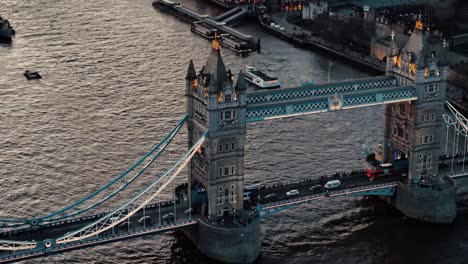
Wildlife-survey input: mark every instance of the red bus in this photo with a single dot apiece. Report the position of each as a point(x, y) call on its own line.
point(379, 170)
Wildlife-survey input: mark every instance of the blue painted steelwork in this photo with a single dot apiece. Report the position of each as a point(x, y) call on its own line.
point(50, 217)
point(388, 191)
point(293, 107)
point(98, 227)
point(41, 249)
point(310, 91)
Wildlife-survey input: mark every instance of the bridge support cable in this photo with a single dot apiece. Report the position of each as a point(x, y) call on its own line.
point(127, 181)
point(459, 123)
point(132, 206)
point(16, 245)
point(123, 178)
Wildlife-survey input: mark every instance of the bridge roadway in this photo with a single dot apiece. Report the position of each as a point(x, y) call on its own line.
point(351, 184)
point(276, 196)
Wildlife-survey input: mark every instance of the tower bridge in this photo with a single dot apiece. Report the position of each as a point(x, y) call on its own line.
point(210, 208)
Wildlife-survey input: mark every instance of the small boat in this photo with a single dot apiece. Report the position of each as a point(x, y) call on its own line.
point(31, 75)
point(260, 79)
point(6, 31)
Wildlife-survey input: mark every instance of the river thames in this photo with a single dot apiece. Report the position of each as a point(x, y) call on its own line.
point(113, 85)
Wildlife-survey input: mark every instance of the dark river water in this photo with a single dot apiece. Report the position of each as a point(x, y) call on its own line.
point(114, 85)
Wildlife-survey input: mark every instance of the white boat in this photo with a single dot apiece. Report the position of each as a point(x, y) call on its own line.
point(260, 79)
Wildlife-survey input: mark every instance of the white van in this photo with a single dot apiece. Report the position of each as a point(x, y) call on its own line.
point(332, 184)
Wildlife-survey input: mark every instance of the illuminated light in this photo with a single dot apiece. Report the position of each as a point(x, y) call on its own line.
point(299, 7)
point(426, 72)
point(220, 97)
point(215, 43)
point(419, 25)
point(199, 150)
point(235, 97)
point(398, 63)
point(413, 68)
point(195, 84)
point(206, 91)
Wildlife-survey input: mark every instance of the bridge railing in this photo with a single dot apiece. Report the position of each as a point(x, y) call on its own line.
point(340, 192)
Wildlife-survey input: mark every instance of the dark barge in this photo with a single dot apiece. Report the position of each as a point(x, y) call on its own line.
point(207, 27)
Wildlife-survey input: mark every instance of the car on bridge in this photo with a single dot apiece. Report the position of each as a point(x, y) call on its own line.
point(168, 216)
point(270, 196)
point(332, 184)
point(316, 187)
point(292, 193)
point(144, 218)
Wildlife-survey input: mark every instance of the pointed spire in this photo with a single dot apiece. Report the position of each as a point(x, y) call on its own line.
point(216, 69)
point(191, 73)
point(421, 60)
point(241, 85)
point(393, 49)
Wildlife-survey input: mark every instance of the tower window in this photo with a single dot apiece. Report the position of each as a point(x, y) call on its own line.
point(220, 147)
point(220, 172)
point(233, 113)
point(226, 171)
point(227, 98)
point(232, 146)
point(403, 110)
point(227, 115)
point(433, 117)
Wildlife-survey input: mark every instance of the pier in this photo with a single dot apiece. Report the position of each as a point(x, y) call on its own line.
point(208, 27)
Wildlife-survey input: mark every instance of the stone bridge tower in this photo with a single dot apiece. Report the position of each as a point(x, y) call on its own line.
point(413, 130)
point(226, 232)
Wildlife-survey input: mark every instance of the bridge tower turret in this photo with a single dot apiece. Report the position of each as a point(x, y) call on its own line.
point(226, 232)
point(413, 130)
point(214, 103)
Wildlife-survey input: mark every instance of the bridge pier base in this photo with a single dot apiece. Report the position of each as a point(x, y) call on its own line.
point(227, 245)
point(427, 205)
